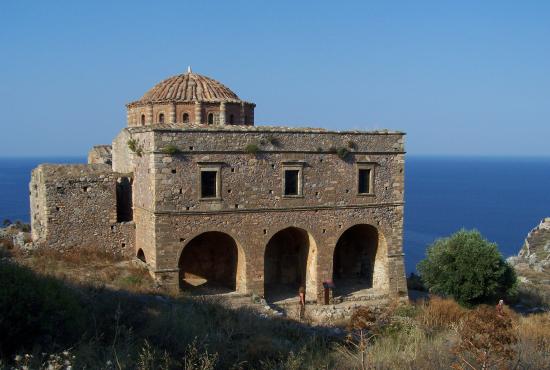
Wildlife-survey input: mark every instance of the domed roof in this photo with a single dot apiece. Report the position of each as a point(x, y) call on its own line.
point(188, 87)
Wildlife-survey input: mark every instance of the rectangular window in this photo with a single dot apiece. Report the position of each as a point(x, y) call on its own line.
point(365, 178)
point(291, 182)
point(209, 184)
point(364, 181)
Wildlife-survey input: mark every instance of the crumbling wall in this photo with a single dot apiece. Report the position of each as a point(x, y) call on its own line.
point(100, 154)
point(75, 206)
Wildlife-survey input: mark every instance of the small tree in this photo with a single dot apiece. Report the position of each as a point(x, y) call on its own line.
point(467, 267)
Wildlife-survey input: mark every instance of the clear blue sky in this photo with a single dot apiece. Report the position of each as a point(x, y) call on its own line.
point(460, 77)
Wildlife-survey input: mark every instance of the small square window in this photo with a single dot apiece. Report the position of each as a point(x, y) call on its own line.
point(291, 182)
point(209, 184)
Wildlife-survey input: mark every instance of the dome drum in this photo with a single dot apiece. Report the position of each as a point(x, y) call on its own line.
point(190, 98)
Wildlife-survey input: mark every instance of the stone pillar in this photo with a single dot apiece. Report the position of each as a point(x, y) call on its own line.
point(222, 113)
point(241, 121)
point(172, 113)
point(168, 278)
point(149, 115)
point(198, 112)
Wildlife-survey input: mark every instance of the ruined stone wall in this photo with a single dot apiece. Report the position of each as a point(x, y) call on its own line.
point(75, 206)
point(100, 154)
point(122, 157)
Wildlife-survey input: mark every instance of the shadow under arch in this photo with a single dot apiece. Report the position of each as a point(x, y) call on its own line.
point(360, 261)
point(290, 261)
point(212, 263)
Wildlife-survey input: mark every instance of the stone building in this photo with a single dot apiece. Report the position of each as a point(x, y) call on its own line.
point(209, 200)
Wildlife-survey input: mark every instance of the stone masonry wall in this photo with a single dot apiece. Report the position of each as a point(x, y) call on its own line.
point(75, 206)
point(252, 207)
point(252, 230)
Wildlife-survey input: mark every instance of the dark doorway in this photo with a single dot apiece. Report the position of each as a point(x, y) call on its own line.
point(124, 212)
point(141, 255)
point(354, 260)
point(209, 264)
point(286, 263)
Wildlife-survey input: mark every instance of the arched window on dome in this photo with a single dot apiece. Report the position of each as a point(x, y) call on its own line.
point(210, 118)
point(161, 118)
point(143, 119)
point(185, 118)
point(231, 119)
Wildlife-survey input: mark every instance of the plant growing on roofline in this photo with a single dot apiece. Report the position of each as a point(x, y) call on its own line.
point(170, 149)
point(252, 148)
point(134, 146)
point(342, 152)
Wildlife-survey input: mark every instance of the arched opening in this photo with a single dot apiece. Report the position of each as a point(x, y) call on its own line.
point(231, 119)
point(289, 262)
point(143, 119)
point(212, 263)
point(185, 118)
point(359, 261)
point(161, 118)
point(210, 118)
point(246, 120)
point(141, 256)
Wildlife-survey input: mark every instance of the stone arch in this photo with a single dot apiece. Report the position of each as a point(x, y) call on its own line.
point(212, 262)
point(290, 261)
point(161, 117)
point(210, 120)
point(142, 119)
point(140, 255)
point(185, 117)
point(231, 119)
point(360, 260)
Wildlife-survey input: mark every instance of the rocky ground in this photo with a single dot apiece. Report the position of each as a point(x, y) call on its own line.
point(532, 264)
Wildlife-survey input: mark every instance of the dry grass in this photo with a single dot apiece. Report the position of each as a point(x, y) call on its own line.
point(440, 313)
point(89, 265)
point(152, 333)
point(534, 331)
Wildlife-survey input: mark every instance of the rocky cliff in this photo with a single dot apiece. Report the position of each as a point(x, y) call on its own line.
point(535, 251)
point(532, 265)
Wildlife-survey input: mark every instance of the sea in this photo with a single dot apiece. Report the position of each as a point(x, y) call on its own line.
point(502, 197)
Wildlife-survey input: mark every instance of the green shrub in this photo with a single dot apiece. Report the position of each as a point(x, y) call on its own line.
point(134, 146)
point(36, 310)
point(252, 148)
point(469, 268)
point(342, 152)
point(170, 149)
